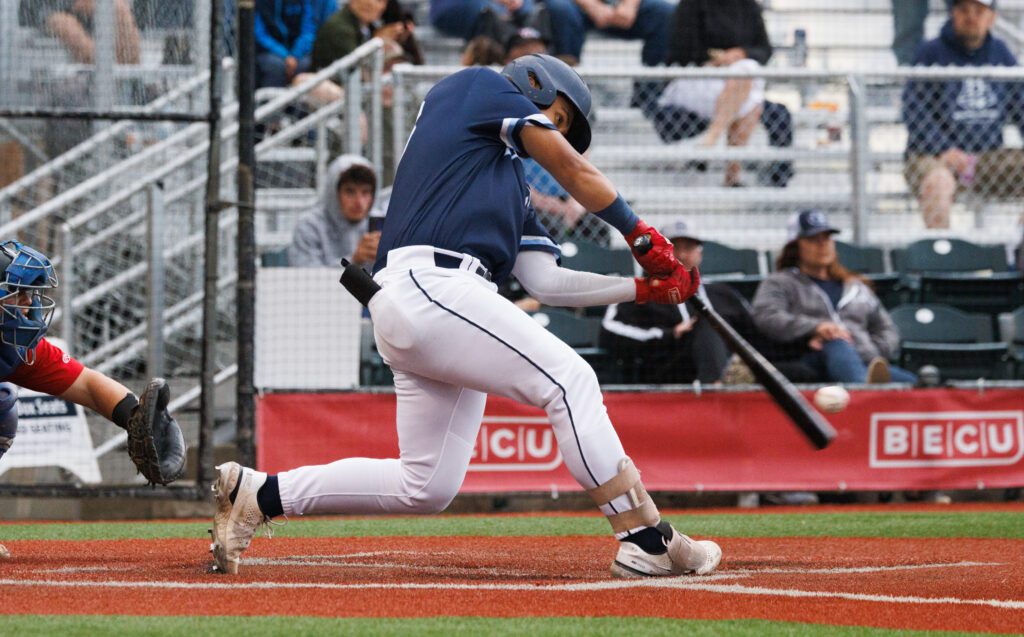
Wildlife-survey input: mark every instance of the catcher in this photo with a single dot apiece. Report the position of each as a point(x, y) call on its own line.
point(155, 442)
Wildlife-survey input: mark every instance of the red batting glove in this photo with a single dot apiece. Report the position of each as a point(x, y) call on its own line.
point(651, 250)
point(673, 289)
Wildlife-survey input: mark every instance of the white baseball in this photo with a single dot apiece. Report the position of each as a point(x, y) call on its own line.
point(832, 399)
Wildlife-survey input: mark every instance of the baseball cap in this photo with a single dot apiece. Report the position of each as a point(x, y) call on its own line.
point(991, 4)
point(808, 223)
point(525, 34)
point(681, 229)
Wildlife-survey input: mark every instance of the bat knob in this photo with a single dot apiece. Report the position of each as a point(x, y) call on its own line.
point(642, 244)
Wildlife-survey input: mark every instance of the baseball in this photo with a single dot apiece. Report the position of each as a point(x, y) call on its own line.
point(4, 553)
point(832, 399)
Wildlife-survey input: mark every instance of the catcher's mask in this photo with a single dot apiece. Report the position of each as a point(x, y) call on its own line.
point(25, 312)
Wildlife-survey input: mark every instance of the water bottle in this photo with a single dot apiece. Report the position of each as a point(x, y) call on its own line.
point(799, 48)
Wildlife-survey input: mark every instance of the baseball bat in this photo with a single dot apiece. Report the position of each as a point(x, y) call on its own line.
point(811, 423)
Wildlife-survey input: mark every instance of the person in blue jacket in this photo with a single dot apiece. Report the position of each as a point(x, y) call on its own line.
point(284, 32)
point(955, 128)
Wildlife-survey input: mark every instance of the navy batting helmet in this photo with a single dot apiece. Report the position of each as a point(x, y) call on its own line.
point(552, 77)
point(25, 312)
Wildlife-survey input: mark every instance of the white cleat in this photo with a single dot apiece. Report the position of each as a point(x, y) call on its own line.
point(235, 524)
point(682, 556)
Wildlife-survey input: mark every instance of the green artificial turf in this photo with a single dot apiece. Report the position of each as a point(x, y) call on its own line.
point(89, 625)
point(987, 524)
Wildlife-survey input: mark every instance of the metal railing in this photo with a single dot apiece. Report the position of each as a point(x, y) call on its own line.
point(125, 307)
point(858, 176)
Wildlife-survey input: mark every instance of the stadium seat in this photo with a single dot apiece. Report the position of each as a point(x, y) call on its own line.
point(589, 257)
point(1015, 339)
point(964, 275)
point(275, 258)
point(958, 343)
point(869, 261)
point(949, 255)
point(736, 267)
point(579, 332)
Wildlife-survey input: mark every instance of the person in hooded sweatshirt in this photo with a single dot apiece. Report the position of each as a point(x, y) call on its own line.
point(955, 127)
point(340, 226)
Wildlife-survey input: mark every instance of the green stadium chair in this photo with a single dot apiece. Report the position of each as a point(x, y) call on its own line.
point(861, 259)
point(869, 262)
point(958, 343)
point(1016, 340)
point(589, 257)
point(968, 276)
point(579, 332)
point(949, 255)
point(736, 267)
point(275, 258)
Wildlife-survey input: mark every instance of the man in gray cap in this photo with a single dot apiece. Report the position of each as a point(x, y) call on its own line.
point(667, 343)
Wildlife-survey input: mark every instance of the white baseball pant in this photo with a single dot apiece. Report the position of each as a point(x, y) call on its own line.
point(451, 340)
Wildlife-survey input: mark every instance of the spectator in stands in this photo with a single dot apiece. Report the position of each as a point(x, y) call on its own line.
point(340, 226)
point(357, 22)
point(646, 20)
point(908, 18)
point(667, 343)
point(818, 303)
point(462, 18)
point(955, 128)
point(483, 50)
point(73, 21)
point(729, 34)
point(284, 34)
point(525, 41)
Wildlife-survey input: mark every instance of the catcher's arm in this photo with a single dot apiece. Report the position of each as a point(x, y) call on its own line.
point(155, 442)
point(98, 392)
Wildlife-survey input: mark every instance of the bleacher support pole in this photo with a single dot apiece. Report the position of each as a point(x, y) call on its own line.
point(246, 290)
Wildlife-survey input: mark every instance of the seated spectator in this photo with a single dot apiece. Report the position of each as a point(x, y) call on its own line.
point(525, 41)
point(340, 226)
point(284, 34)
point(817, 303)
point(666, 343)
point(728, 34)
point(955, 128)
point(908, 18)
point(357, 22)
point(72, 22)
point(483, 50)
point(462, 18)
point(646, 20)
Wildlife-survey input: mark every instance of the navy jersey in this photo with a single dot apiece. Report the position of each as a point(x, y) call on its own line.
point(460, 184)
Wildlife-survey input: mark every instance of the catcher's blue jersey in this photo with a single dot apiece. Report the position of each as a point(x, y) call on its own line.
point(460, 183)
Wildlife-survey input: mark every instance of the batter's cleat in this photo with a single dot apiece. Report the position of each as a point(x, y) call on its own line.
point(235, 524)
point(681, 556)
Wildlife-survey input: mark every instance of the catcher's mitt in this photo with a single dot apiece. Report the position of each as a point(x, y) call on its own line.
point(155, 443)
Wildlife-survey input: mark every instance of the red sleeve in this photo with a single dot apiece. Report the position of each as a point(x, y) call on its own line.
point(52, 372)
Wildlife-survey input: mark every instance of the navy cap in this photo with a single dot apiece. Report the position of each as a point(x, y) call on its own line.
point(808, 223)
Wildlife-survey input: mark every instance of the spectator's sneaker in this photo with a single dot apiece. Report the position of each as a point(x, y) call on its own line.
point(737, 372)
point(878, 371)
point(235, 523)
point(681, 556)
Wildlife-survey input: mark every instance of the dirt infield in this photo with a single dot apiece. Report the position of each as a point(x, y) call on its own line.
point(933, 584)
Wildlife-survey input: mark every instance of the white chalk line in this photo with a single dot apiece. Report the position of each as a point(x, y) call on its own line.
point(706, 584)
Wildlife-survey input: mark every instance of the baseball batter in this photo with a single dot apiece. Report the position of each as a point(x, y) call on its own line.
point(459, 222)
point(29, 360)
